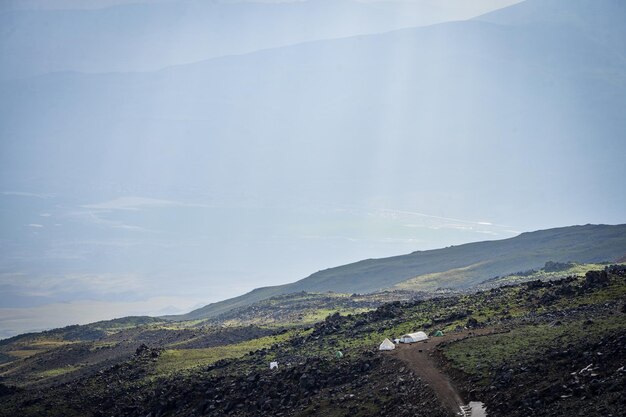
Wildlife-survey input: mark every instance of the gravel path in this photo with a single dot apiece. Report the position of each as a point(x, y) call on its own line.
point(418, 357)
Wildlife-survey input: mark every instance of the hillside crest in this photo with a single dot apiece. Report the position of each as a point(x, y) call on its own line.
point(456, 267)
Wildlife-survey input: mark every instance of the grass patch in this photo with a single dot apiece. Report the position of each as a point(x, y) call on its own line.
point(523, 343)
point(24, 353)
point(51, 373)
point(46, 344)
point(176, 360)
point(315, 316)
point(599, 296)
point(102, 345)
point(429, 282)
point(542, 275)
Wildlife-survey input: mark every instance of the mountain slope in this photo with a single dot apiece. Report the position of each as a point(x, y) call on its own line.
point(543, 347)
point(601, 20)
point(348, 121)
point(131, 37)
point(488, 121)
point(589, 243)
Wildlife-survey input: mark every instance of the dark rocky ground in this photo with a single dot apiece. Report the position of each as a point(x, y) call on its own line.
point(200, 337)
point(367, 385)
point(586, 380)
point(584, 377)
point(301, 307)
point(92, 356)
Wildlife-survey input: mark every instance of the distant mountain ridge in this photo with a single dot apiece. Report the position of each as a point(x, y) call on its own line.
point(478, 261)
point(471, 100)
point(512, 118)
point(150, 35)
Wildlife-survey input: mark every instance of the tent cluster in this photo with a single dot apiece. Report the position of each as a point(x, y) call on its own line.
point(407, 338)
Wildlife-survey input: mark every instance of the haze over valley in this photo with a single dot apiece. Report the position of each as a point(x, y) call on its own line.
point(155, 184)
point(301, 208)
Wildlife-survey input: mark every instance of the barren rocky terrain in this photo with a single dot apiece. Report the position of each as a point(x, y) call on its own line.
point(545, 347)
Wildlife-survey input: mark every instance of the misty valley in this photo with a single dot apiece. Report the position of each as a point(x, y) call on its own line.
point(293, 208)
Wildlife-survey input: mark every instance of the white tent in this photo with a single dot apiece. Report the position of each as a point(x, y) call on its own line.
point(387, 345)
point(413, 337)
point(273, 365)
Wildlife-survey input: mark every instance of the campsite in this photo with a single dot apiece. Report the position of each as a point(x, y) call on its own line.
point(419, 358)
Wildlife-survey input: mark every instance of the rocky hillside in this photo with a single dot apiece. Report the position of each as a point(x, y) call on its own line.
point(548, 347)
point(457, 267)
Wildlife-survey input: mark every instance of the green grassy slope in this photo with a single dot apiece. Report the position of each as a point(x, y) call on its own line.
point(427, 281)
point(477, 261)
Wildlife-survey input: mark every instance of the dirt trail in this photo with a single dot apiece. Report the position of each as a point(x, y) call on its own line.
point(418, 357)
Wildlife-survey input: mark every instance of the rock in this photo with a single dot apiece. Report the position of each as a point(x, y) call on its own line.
point(143, 348)
point(596, 279)
point(8, 389)
point(306, 382)
point(471, 323)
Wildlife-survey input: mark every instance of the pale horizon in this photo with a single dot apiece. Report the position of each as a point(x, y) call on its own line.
point(157, 157)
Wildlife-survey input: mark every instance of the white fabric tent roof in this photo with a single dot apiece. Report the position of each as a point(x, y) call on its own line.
point(413, 337)
point(387, 345)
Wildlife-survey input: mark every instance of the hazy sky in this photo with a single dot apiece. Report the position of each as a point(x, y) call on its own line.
point(475, 6)
point(133, 182)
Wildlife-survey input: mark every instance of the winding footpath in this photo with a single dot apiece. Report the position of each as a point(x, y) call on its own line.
point(418, 357)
